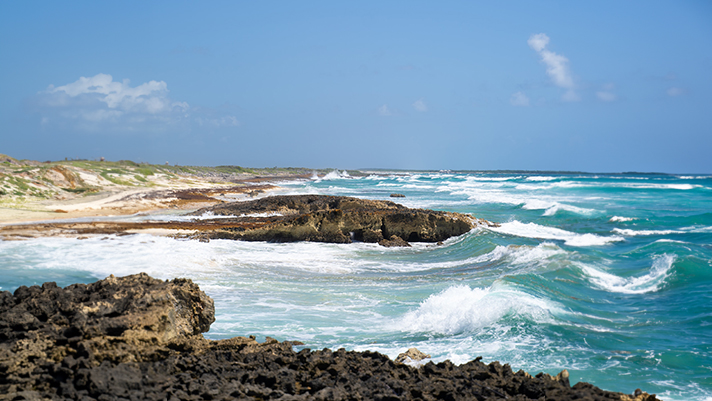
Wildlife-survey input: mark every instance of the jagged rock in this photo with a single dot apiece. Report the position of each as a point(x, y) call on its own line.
point(139, 338)
point(412, 355)
point(393, 242)
point(335, 219)
point(372, 236)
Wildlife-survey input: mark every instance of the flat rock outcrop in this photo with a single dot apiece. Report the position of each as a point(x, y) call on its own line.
point(336, 219)
point(139, 338)
point(318, 218)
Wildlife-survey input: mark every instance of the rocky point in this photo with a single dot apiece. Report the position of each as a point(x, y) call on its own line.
point(138, 338)
point(336, 219)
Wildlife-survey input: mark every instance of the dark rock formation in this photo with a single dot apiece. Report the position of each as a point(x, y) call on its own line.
point(139, 338)
point(337, 219)
point(397, 196)
point(394, 241)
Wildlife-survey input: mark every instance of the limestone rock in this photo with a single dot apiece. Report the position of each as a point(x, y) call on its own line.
point(335, 219)
point(412, 355)
point(139, 338)
point(372, 236)
point(394, 241)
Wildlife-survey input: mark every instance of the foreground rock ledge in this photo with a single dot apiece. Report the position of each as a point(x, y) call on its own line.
point(139, 338)
point(336, 219)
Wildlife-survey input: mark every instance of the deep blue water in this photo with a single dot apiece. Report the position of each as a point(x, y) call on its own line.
point(608, 276)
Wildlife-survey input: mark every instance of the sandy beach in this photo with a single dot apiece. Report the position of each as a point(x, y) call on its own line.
point(37, 197)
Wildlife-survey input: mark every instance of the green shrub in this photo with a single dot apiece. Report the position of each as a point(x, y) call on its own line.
point(144, 171)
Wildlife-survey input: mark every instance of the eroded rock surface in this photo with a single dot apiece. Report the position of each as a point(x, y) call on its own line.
point(337, 219)
point(139, 338)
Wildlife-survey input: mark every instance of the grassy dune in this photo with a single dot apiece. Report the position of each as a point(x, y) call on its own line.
point(26, 180)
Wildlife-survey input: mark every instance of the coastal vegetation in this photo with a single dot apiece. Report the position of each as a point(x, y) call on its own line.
point(29, 180)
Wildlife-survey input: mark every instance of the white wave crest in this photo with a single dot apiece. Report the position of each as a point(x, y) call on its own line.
point(682, 187)
point(650, 282)
point(512, 257)
point(335, 175)
point(683, 230)
point(541, 178)
point(533, 230)
point(552, 207)
point(633, 233)
point(672, 241)
point(621, 218)
point(461, 309)
point(480, 178)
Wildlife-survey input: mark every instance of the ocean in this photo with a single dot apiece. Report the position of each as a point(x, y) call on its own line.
point(606, 275)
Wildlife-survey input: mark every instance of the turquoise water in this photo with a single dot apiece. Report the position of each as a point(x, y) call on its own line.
point(608, 276)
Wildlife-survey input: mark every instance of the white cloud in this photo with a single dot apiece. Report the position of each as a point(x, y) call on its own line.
point(606, 96)
point(384, 111)
point(150, 97)
point(556, 66)
point(675, 91)
point(538, 41)
point(420, 106)
point(99, 103)
point(519, 99)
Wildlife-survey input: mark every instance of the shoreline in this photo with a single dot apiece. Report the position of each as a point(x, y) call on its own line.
point(141, 338)
point(23, 218)
point(32, 191)
point(125, 201)
point(280, 218)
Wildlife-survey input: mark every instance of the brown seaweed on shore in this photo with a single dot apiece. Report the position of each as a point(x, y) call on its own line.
point(139, 338)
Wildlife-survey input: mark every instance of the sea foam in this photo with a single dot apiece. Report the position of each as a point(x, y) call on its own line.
point(552, 207)
point(621, 218)
point(650, 282)
point(516, 259)
point(533, 230)
point(633, 233)
point(541, 178)
point(334, 175)
point(461, 309)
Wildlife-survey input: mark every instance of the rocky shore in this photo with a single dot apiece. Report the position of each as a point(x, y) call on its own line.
point(319, 218)
point(139, 338)
point(336, 219)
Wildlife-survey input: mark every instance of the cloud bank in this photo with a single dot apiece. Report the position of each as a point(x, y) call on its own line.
point(556, 66)
point(100, 103)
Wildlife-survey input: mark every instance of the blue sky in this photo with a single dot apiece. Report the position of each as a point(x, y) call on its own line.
point(591, 86)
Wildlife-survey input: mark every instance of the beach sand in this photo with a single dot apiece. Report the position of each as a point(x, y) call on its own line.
point(40, 218)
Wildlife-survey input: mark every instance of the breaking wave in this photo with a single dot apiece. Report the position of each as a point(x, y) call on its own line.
point(461, 309)
point(621, 218)
point(533, 230)
point(650, 282)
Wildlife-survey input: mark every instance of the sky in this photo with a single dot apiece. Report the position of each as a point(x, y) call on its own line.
point(605, 86)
